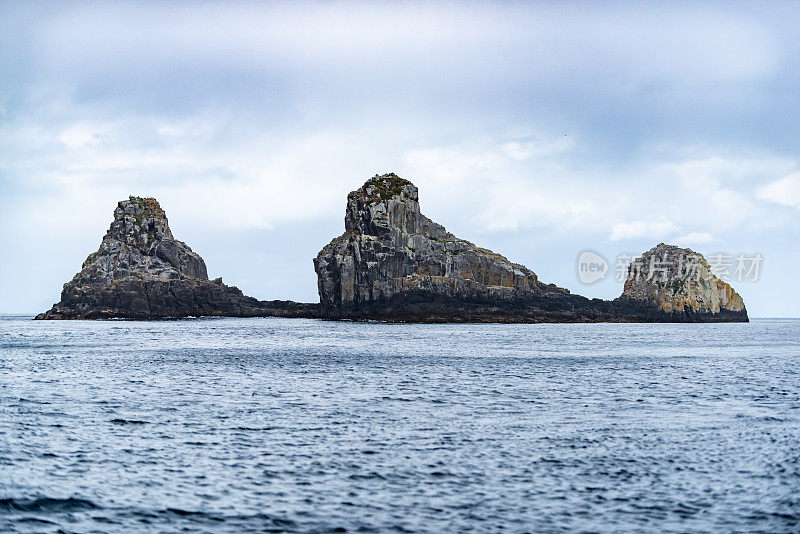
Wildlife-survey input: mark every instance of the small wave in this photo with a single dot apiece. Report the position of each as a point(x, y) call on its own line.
point(33, 401)
point(265, 521)
point(119, 421)
point(367, 476)
point(37, 520)
point(46, 504)
point(185, 513)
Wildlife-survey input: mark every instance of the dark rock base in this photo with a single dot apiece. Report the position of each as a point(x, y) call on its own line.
point(423, 308)
point(134, 298)
point(137, 299)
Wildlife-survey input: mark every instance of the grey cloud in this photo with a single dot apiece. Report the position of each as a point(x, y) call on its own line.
point(252, 104)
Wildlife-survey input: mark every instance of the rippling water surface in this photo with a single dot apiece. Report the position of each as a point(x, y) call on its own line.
point(254, 425)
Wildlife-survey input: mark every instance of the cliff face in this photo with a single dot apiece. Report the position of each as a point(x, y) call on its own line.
point(140, 244)
point(389, 249)
point(393, 263)
point(142, 271)
point(679, 280)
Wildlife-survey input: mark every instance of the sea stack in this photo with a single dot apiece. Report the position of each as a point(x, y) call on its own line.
point(679, 282)
point(393, 263)
point(141, 271)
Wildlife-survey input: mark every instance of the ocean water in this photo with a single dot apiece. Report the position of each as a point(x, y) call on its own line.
point(281, 425)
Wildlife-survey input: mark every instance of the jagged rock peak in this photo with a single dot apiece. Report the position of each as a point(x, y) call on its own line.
point(383, 202)
point(140, 243)
point(142, 271)
point(385, 186)
point(389, 248)
point(138, 211)
point(679, 279)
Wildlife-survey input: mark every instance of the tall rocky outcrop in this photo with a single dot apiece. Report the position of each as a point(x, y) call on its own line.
point(680, 281)
point(389, 248)
point(142, 271)
point(393, 263)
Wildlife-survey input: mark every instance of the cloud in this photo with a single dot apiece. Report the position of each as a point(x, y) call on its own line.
point(205, 164)
point(683, 193)
point(84, 134)
point(785, 191)
point(546, 121)
point(726, 47)
point(642, 229)
point(510, 185)
point(694, 238)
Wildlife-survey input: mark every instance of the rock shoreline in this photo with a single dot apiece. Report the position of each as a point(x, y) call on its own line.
point(391, 264)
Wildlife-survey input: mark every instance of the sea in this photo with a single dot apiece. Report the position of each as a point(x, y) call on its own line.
point(296, 425)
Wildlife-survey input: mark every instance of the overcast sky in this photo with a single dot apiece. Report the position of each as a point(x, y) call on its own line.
point(535, 129)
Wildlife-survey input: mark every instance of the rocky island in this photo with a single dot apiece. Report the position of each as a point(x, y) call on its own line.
point(679, 281)
point(141, 271)
point(391, 264)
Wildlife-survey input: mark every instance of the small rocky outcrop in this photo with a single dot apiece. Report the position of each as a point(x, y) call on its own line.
point(679, 281)
point(142, 271)
point(393, 263)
